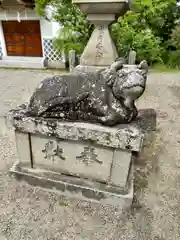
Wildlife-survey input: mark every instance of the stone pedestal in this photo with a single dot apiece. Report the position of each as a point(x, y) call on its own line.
point(87, 161)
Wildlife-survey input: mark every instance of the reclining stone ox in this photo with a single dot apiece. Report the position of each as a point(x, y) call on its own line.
point(106, 96)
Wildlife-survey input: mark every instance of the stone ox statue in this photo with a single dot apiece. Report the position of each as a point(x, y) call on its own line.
point(106, 96)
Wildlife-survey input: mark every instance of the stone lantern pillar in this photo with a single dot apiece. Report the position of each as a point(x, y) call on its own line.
point(100, 50)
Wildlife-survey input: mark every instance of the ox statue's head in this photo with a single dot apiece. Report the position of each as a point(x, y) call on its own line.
point(128, 82)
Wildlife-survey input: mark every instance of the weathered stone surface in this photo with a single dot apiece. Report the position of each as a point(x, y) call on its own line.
point(120, 168)
point(86, 190)
point(75, 158)
point(78, 149)
point(23, 147)
point(80, 68)
point(72, 60)
point(124, 136)
point(106, 6)
point(100, 50)
point(107, 96)
point(132, 58)
point(79, 159)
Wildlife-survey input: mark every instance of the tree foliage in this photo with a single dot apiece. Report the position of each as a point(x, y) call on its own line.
point(147, 28)
point(75, 30)
point(150, 28)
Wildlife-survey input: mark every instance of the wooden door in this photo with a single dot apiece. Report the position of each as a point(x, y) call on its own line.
point(32, 38)
point(14, 38)
point(22, 39)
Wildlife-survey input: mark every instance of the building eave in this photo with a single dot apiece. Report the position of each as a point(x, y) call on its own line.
point(25, 3)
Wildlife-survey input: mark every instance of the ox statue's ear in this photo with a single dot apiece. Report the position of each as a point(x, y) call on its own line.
point(109, 76)
point(118, 64)
point(110, 73)
point(143, 65)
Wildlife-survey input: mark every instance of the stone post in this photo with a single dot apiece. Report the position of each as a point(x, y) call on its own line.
point(100, 50)
point(132, 58)
point(72, 60)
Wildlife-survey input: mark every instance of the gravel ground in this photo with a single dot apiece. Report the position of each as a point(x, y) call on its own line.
point(33, 213)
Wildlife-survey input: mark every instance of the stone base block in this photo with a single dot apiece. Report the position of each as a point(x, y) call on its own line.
point(89, 161)
point(23, 62)
point(80, 68)
point(76, 187)
point(56, 64)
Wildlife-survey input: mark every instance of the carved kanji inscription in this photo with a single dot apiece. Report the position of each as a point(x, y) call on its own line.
point(89, 156)
point(52, 150)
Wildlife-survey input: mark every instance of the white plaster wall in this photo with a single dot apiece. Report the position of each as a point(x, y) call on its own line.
point(49, 29)
point(46, 29)
point(55, 25)
point(56, 28)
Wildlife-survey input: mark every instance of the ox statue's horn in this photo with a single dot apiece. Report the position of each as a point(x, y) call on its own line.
point(143, 65)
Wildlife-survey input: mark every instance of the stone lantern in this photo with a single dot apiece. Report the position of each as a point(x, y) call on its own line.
point(100, 50)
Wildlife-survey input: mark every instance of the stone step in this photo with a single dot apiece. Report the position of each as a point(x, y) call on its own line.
point(24, 62)
point(19, 58)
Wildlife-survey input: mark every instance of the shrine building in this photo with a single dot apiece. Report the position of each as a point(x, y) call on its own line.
point(26, 39)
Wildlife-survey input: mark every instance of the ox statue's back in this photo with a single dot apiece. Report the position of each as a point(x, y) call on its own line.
point(106, 96)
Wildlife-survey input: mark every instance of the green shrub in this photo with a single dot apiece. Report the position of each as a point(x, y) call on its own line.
point(142, 41)
point(68, 40)
point(75, 30)
point(175, 37)
point(174, 59)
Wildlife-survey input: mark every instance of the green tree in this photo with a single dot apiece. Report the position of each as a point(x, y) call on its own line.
point(142, 41)
point(147, 28)
point(75, 30)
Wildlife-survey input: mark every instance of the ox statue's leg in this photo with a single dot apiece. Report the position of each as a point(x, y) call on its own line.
point(112, 118)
